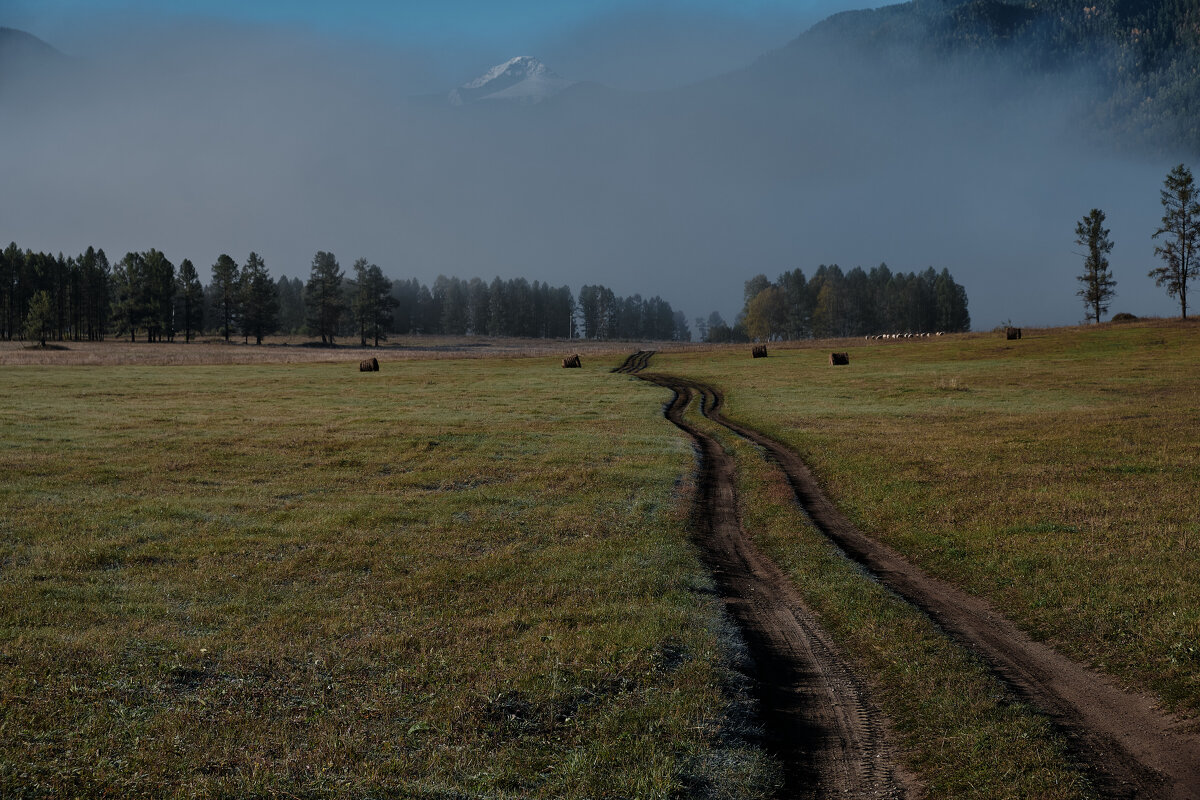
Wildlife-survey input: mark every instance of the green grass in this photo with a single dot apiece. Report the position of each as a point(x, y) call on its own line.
point(1056, 475)
point(961, 731)
point(451, 578)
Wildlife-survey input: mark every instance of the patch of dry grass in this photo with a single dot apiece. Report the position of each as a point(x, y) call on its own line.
point(210, 350)
point(448, 578)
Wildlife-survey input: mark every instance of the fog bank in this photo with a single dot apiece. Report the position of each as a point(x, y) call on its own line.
point(225, 138)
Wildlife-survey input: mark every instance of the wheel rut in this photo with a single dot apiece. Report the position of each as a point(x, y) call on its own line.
point(819, 720)
point(1122, 739)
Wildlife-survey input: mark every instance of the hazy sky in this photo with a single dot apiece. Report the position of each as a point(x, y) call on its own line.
point(672, 41)
point(202, 128)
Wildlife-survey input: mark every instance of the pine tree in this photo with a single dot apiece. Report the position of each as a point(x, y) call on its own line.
point(1181, 226)
point(190, 297)
point(130, 307)
point(323, 296)
point(259, 300)
point(159, 294)
point(373, 302)
point(225, 293)
point(1097, 281)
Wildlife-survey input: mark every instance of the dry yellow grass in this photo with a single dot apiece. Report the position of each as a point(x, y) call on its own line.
point(300, 350)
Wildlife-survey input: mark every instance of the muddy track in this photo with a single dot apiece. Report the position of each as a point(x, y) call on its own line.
point(635, 362)
point(819, 721)
point(1129, 747)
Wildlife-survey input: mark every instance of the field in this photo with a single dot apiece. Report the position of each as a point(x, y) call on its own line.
point(445, 578)
point(475, 577)
point(1055, 475)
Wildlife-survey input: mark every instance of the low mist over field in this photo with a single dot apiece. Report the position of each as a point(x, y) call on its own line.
point(229, 137)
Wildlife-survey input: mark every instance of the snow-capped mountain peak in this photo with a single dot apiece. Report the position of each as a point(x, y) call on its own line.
point(523, 79)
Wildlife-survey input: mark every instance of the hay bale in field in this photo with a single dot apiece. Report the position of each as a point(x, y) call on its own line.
point(370, 365)
point(1012, 333)
point(839, 359)
point(759, 351)
point(572, 362)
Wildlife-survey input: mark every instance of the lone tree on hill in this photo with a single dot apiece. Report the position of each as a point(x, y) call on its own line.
point(1181, 226)
point(1097, 281)
point(323, 296)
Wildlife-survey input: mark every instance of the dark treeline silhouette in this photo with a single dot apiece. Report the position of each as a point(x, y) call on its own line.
point(832, 304)
point(144, 294)
point(606, 316)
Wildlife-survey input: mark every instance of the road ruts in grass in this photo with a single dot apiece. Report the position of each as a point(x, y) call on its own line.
point(1121, 739)
point(831, 740)
point(635, 362)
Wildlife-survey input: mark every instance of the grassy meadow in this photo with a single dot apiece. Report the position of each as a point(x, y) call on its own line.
point(472, 577)
point(445, 579)
point(1055, 475)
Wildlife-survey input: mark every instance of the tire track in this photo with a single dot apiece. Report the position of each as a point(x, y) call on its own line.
point(1129, 747)
point(820, 723)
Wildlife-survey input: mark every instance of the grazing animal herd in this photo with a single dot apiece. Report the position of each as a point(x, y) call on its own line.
point(904, 335)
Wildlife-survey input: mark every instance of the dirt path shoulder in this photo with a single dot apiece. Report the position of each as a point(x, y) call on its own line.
point(1130, 747)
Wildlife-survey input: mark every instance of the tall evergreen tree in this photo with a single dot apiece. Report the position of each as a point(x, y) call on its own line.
point(323, 296)
point(373, 302)
point(1098, 284)
point(225, 293)
point(159, 294)
point(477, 307)
point(190, 300)
point(130, 302)
point(98, 275)
point(291, 304)
point(1181, 227)
point(259, 300)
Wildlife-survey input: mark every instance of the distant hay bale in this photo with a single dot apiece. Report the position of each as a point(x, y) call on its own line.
point(1124, 316)
point(759, 351)
point(1012, 333)
point(572, 362)
point(839, 359)
point(370, 365)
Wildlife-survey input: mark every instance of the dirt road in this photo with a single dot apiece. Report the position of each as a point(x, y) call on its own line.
point(1129, 747)
point(831, 741)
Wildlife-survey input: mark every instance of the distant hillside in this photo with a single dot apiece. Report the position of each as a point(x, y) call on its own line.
point(24, 56)
point(1144, 54)
point(18, 46)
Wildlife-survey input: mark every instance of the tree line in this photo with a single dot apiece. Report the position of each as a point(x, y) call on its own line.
point(833, 303)
point(85, 297)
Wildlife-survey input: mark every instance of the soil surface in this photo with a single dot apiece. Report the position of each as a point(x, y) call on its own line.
point(1129, 747)
point(820, 723)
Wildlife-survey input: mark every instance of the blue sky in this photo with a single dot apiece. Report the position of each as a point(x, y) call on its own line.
point(615, 41)
point(479, 19)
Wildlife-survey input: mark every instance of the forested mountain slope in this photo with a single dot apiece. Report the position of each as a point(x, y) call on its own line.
point(1142, 56)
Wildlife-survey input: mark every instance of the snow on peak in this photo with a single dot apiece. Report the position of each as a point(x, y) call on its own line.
point(523, 79)
point(521, 67)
